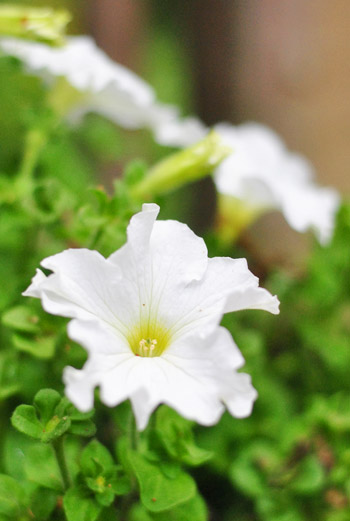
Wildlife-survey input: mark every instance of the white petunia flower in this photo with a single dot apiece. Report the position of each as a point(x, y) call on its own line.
point(105, 86)
point(260, 175)
point(149, 318)
point(263, 174)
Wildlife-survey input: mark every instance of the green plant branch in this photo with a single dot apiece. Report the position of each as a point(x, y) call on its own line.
point(35, 142)
point(58, 448)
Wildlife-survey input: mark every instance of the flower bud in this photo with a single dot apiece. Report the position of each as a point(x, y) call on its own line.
point(183, 167)
point(34, 23)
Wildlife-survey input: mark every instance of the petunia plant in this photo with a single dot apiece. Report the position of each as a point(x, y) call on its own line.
point(122, 395)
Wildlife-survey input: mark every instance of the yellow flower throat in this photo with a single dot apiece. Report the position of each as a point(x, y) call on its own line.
point(148, 340)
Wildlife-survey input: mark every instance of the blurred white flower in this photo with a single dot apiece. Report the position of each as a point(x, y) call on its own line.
point(108, 87)
point(105, 87)
point(263, 174)
point(260, 175)
point(171, 129)
point(149, 318)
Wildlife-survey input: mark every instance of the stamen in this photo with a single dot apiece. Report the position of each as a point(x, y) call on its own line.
point(147, 346)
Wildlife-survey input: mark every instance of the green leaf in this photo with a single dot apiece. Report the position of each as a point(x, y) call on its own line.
point(80, 505)
point(11, 497)
point(50, 199)
point(193, 510)
point(85, 428)
point(94, 458)
point(74, 414)
point(105, 498)
point(310, 478)
point(175, 433)
point(139, 513)
point(170, 469)
point(41, 467)
point(9, 373)
point(43, 347)
point(135, 172)
point(247, 478)
point(120, 483)
point(25, 420)
point(40, 464)
point(22, 319)
point(46, 401)
point(43, 502)
point(159, 492)
point(54, 418)
point(278, 506)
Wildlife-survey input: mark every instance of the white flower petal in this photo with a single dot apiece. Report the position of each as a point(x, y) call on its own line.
point(84, 285)
point(82, 63)
point(235, 389)
point(34, 289)
point(100, 340)
point(80, 388)
point(226, 286)
point(107, 88)
point(265, 175)
point(315, 209)
point(171, 130)
point(239, 395)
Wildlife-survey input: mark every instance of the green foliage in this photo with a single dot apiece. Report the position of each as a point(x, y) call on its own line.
point(79, 505)
point(11, 498)
point(159, 491)
point(50, 417)
point(192, 510)
point(290, 461)
point(175, 435)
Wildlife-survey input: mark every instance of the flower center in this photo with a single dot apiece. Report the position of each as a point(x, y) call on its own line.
point(148, 341)
point(147, 346)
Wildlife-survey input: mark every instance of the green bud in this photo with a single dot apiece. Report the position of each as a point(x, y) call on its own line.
point(34, 23)
point(183, 167)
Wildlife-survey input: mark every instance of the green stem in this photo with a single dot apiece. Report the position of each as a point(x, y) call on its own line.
point(132, 432)
point(58, 448)
point(96, 238)
point(35, 141)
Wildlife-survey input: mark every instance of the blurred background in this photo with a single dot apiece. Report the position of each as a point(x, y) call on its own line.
point(282, 63)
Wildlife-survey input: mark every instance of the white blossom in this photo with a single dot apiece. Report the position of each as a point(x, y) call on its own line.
point(149, 318)
point(265, 175)
point(106, 87)
point(262, 173)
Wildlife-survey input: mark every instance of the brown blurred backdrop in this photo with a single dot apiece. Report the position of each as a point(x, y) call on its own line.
point(281, 62)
